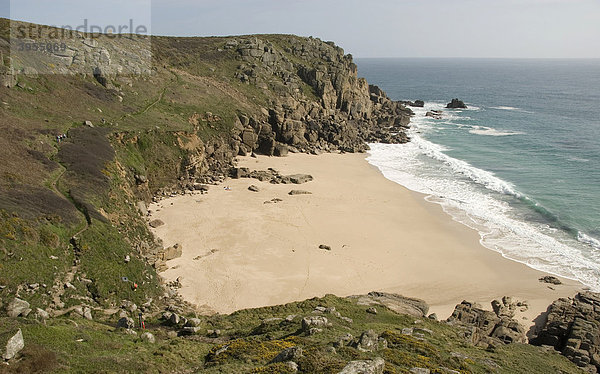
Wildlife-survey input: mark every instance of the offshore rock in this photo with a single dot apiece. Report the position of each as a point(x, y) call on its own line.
point(456, 104)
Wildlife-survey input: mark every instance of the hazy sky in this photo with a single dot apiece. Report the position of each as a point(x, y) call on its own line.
point(382, 28)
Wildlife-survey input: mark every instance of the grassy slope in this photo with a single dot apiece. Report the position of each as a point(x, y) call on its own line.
point(192, 77)
point(82, 346)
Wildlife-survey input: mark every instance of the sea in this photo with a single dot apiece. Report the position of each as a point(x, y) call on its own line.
point(521, 165)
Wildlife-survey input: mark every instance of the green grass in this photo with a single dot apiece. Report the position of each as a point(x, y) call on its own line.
point(25, 250)
point(102, 261)
point(251, 345)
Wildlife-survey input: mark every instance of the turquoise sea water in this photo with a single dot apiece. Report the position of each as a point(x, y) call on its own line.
point(521, 164)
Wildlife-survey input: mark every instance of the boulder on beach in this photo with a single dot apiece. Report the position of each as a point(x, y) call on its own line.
point(550, 280)
point(156, 223)
point(299, 192)
point(280, 150)
point(297, 179)
point(173, 252)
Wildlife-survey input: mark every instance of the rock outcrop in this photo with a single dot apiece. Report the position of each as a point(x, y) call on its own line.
point(485, 328)
point(11, 344)
point(369, 341)
point(416, 103)
point(324, 105)
point(397, 303)
point(375, 366)
point(18, 308)
point(572, 326)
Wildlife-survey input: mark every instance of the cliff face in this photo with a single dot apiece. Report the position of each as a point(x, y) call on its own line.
point(345, 111)
point(145, 117)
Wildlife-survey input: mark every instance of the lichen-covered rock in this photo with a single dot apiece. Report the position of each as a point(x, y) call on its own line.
point(314, 322)
point(487, 328)
point(18, 308)
point(364, 367)
point(397, 303)
point(11, 344)
point(572, 326)
point(148, 337)
point(41, 314)
point(288, 354)
point(369, 341)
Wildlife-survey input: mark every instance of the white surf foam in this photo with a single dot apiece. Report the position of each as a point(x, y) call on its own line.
point(468, 195)
point(584, 238)
point(505, 108)
point(577, 159)
point(511, 108)
point(488, 131)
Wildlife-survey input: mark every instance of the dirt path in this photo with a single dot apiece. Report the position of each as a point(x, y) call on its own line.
point(60, 286)
point(158, 100)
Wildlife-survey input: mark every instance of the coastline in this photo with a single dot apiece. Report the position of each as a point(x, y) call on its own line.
point(239, 252)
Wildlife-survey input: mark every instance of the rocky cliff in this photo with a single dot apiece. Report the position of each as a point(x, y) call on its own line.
point(98, 126)
point(572, 326)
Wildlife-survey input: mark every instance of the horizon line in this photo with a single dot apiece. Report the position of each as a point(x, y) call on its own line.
point(471, 58)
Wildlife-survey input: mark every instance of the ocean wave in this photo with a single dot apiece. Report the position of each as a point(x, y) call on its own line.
point(479, 176)
point(495, 208)
point(505, 108)
point(536, 245)
point(586, 239)
point(577, 159)
point(488, 131)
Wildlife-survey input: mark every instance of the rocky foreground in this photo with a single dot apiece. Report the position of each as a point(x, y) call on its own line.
point(374, 333)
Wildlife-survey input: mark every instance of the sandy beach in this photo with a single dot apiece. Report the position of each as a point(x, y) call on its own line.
point(240, 252)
